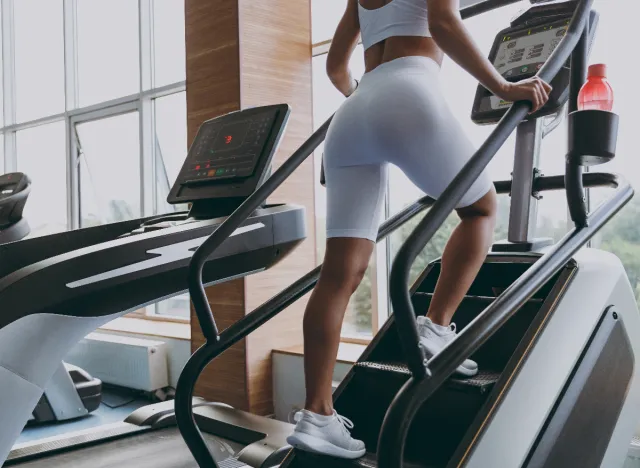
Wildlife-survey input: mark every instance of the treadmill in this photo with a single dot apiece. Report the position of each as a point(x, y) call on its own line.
point(72, 392)
point(86, 278)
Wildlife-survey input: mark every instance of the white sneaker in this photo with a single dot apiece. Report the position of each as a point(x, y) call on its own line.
point(434, 337)
point(326, 435)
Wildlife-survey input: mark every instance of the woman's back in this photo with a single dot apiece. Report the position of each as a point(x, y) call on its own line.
point(403, 26)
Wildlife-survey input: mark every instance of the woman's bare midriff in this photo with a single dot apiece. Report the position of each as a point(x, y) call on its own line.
point(399, 46)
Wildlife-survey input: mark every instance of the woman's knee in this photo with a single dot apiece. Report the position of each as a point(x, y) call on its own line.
point(486, 207)
point(345, 263)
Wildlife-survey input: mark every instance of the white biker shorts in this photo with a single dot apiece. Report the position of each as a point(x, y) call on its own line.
point(398, 115)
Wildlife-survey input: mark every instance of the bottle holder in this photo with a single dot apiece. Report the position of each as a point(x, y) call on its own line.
point(593, 135)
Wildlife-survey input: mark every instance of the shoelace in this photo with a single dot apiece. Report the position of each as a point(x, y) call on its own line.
point(347, 424)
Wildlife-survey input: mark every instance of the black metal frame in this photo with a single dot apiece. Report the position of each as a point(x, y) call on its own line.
point(427, 377)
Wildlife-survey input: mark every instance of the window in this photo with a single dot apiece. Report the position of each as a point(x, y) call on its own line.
point(325, 15)
point(171, 150)
point(42, 155)
point(108, 49)
point(96, 114)
point(168, 37)
point(39, 63)
point(109, 169)
point(622, 235)
point(170, 145)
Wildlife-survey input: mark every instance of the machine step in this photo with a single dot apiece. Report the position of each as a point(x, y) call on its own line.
point(311, 460)
point(481, 383)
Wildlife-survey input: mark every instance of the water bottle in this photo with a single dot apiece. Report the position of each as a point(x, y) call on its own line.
point(596, 93)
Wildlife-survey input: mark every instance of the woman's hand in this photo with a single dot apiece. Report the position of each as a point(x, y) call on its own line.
point(533, 90)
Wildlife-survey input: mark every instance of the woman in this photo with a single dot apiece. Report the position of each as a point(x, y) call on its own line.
point(396, 115)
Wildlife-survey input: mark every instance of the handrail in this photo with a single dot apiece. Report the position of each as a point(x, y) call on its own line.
point(484, 7)
point(416, 391)
point(243, 327)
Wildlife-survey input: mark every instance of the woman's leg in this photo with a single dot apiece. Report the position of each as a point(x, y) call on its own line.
point(345, 263)
point(463, 256)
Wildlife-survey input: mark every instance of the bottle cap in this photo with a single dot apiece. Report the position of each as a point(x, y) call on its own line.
point(598, 70)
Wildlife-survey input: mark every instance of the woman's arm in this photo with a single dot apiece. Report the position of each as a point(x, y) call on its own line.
point(343, 44)
point(451, 35)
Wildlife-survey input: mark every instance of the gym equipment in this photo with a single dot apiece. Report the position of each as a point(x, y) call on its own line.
point(72, 392)
point(552, 327)
point(14, 191)
point(88, 277)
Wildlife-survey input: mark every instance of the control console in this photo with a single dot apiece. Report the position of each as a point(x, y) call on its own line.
point(230, 157)
point(521, 50)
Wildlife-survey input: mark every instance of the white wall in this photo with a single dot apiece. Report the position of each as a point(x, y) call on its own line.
point(288, 383)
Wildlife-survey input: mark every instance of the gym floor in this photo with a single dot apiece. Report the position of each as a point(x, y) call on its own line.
point(116, 405)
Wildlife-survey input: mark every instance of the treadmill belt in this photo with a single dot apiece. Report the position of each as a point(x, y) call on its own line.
point(154, 449)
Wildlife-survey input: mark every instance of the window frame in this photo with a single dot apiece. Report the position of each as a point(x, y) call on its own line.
point(142, 102)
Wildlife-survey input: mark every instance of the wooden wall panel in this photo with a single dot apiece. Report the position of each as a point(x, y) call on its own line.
point(213, 89)
point(275, 68)
point(243, 53)
point(213, 60)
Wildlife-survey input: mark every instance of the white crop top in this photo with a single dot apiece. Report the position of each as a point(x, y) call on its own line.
point(396, 18)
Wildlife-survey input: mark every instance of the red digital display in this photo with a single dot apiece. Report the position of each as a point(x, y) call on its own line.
point(228, 139)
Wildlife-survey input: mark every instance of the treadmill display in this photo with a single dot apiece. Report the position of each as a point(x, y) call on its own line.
point(224, 150)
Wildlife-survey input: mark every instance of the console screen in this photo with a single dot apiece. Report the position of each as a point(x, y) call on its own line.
point(228, 149)
point(521, 54)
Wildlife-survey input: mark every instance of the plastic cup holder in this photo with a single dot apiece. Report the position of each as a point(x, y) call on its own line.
point(593, 135)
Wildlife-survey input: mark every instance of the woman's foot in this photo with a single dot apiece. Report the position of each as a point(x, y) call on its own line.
point(326, 435)
point(434, 337)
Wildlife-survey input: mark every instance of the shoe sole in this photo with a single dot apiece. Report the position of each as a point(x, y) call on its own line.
point(315, 445)
point(465, 371)
point(461, 370)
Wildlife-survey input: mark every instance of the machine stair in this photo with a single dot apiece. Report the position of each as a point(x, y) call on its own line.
point(309, 460)
point(449, 421)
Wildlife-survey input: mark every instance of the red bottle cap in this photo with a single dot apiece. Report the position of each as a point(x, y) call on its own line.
point(598, 70)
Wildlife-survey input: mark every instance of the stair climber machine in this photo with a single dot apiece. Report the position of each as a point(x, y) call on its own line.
point(72, 392)
point(56, 289)
point(554, 327)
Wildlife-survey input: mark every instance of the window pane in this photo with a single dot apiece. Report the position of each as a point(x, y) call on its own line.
point(325, 16)
point(621, 235)
point(176, 307)
point(552, 208)
point(169, 46)
point(108, 49)
point(109, 169)
point(39, 56)
point(41, 155)
point(171, 145)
